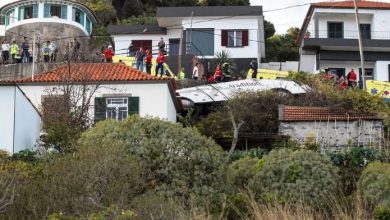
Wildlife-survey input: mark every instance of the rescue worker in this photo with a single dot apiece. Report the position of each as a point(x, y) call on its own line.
point(46, 50)
point(218, 74)
point(14, 51)
point(160, 63)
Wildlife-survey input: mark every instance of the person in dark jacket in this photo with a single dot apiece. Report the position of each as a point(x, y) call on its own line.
point(253, 66)
point(25, 52)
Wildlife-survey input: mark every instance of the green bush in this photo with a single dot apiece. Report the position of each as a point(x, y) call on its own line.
point(253, 153)
point(242, 170)
point(374, 184)
point(177, 161)
point(26, 156)
point(296, 176)
point(381, 213)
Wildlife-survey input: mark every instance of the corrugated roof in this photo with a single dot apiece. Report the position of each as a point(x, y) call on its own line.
point(209, 11)
point(298, 113)
point(90, 72)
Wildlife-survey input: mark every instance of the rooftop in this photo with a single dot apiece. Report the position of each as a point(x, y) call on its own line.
point(350, 4)
point(90, 72)
point(209, 11)
point(298, 113)
point(136, 29)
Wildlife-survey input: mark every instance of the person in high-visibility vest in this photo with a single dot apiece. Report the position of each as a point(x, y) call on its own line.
point(182, 74)
point(46, 50)
point(14, 51)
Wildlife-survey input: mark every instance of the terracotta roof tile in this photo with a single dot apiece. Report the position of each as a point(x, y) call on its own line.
point(350, 4)
point(297, 113)
point(91, 72)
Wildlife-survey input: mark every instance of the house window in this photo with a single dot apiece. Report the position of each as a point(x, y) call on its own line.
point(88, 25)
point(116, 107)
point(338, 71)
point(200, 42)
point(368, 75)
point(365, 30)
point(9, 17)
point(78, 16)
point(335, 30)
point(28, 12)
point(234, 38)
point(59, 11)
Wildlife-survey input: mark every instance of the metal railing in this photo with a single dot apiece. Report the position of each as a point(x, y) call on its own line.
point(373, 35)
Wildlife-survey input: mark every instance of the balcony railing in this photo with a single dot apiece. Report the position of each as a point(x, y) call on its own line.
point(373, 35)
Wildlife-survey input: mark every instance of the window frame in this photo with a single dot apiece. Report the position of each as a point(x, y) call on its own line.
point(335, 32)
point(59, 8)
point(365, 33)
point(30, 7)
point(110, 106)
point(235, 38)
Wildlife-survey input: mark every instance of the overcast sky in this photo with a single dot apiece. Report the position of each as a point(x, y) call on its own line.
point(292, 17)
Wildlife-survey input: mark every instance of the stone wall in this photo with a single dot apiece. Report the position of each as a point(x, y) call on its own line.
point(335, 134)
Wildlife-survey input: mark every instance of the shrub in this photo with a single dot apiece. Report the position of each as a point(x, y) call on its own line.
point(374, 184)
point(241, 171)
point(296, 176)
point(177, 161)
point(26, 156)
point(253, 153)
point(381, 213)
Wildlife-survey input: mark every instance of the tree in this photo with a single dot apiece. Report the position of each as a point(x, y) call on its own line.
point(281, 48)
point(269, 29)
point(103, 9)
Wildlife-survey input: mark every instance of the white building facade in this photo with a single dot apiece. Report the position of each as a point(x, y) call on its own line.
point(329, 39)
point(32, 15)
point(204, 31)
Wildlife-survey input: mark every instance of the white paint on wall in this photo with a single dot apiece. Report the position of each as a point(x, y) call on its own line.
point(7, 99)
point(153, 97)
point(382, 71)
point(27, 123)
point(19, 121)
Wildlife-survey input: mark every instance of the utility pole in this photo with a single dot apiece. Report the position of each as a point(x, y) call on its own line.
point(360, 45)
point(179, 64)
point(192, 15)
point(34, 56)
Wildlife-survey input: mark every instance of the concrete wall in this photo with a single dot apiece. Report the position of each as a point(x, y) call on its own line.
point(307, 63)
point(153, 97)
point(335, 134)
point(284, 66)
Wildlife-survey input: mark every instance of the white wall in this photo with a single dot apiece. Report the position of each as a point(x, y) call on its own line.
point(307, 63)
point(19, 121)
point(153, 97)
point(381, 70)
point(27, 123)
point(250, 23)
point(285, 66)
point(254, 49)
point(7, 97)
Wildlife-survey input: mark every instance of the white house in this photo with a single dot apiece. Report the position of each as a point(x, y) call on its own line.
point(47, 19)
point(204, 30)
point(121, 91)
point(328, 38)
point(20, 121)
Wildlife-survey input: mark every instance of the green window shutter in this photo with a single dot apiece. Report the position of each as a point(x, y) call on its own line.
point(46, 12)
point(64, 12)
point(100, 109)
point(21, 13)
point(35, 10)
point(133, 105)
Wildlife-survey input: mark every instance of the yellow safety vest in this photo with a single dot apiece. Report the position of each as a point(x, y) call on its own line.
point(14, 49)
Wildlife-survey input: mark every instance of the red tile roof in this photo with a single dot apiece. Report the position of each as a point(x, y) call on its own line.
point(350, 4)
point(297, 113)
point(91, 72)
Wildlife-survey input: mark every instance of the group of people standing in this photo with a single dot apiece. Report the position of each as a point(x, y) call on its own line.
point(15, 53)
point(350, 80)
point(144, 58)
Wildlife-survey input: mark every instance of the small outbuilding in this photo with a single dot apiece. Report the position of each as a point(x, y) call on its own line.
point(331, 128)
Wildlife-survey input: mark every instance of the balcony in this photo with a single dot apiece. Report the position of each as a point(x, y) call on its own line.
point(347, 40)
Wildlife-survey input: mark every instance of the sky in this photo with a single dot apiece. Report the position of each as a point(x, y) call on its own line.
point(284, 19)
